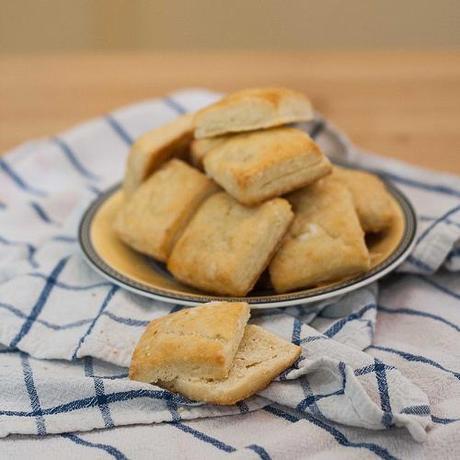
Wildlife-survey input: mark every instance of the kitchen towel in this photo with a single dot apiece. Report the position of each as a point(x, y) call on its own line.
point(381, 358)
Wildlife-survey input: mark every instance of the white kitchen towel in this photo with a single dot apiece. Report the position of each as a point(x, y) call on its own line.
point(373, 361)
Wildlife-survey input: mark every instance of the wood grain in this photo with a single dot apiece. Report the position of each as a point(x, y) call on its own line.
point(404, 105)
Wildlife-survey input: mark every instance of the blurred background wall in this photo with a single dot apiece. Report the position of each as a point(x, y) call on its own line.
point(79, 25)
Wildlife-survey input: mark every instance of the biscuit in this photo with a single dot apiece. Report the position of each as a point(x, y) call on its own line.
point(200, 147)
point(256, 166)
point(199, 342)
point(154, 148)
point(260, 358)
point(161, 207)
point(372, 201)
point(227, 246)
point(252, 109)
point(325, 242)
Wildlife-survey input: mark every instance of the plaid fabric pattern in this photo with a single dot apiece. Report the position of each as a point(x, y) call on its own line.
point(376, 359)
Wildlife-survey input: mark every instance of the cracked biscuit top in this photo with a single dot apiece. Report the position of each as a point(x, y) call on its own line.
point(256, 166)
point(200, 342)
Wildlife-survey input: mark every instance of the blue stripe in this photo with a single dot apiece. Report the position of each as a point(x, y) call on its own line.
point(33, 395)
point(313, 338)
point(204, 437)
point(436, 222)
point(412, 312)
point(6, 168)
point(8, 350)
point(418, 263)
point(74, 161)
point(296, 328)
point(444, 421)
point(314, 398)
point(422, 410)
point(70, 287)
point(281, 413)
point(41, 213)
point(414, 358)
point(343, 440)
point(104, 304)
point(338, 435)
point(100, 393)
point(41, 301)
point(57, 327)
point(371, 368)
point(307, 391)
point(65, 238)
point(283, 376)
point(338, 325)
point(30, 249)
point(96, 445)
point(94, 189)
point(127, 321)
point(439, 286)
point(112, 377)
point(417, 183)
point(90, 402)
point(317, 129)
point(116, 126)
point(169, 101)
point(243, 407)
point(430, 219)
point(382, 385)
point(341, 368)
point(172, 407)
point(286, 372)
point(177, 308)
point(260, 451)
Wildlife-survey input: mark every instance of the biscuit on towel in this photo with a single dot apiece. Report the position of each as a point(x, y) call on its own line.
point(154, 148)
point(200, 147)
point(256, 166)
point(252, 109)
point(227, 246)
point(372, 201)
point(261, 357)
point(158, 211)
point(324, 243)
point(198, 342)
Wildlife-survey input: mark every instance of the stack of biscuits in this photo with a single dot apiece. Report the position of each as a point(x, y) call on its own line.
point(209, 353)
point(234, 189)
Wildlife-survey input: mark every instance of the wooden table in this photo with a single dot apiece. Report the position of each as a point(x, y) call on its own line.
point(404, 105)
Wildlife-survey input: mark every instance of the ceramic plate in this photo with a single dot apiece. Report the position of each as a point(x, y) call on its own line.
point(147, 277)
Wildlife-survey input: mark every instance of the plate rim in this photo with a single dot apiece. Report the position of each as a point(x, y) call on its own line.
point(304, 296)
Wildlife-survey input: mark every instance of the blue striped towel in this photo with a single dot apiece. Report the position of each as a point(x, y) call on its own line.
point(380, 367)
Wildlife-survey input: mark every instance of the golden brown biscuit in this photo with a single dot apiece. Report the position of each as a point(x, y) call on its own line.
point(260, 358)
point(227, 245)
point(198, 342)
point(325, 241)
point(256, 166)
point(372, 201)
point(200, 147)
point(154, 148)
point(252, 109)
point(161, 207)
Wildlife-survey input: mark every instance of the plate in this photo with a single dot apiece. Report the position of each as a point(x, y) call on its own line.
point(141, 274)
